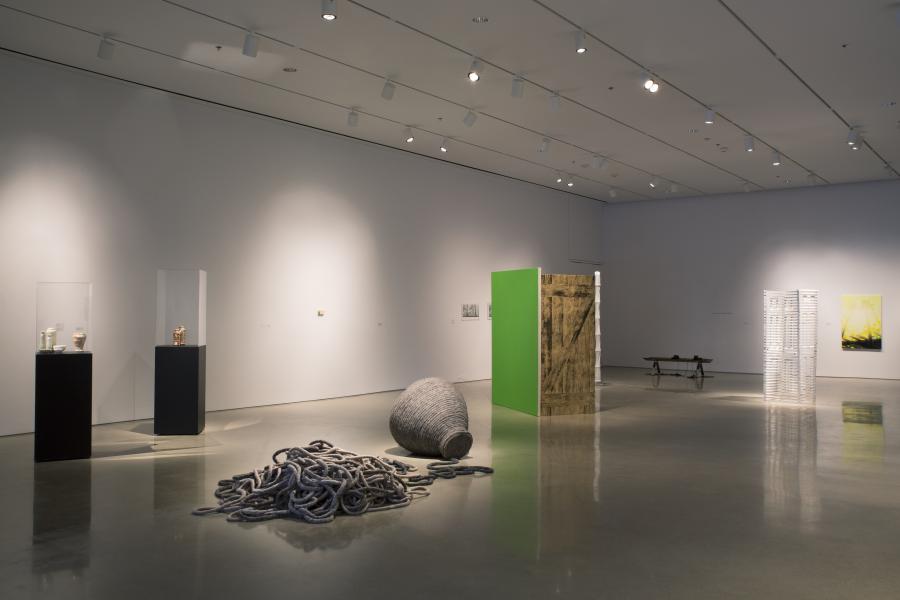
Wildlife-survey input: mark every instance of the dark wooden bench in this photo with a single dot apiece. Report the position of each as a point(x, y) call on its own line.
point(697, 361)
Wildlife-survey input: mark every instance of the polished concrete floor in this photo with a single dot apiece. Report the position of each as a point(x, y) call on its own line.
point(669, 491)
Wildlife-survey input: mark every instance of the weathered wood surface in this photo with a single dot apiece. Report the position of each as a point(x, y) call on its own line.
point(567, 344)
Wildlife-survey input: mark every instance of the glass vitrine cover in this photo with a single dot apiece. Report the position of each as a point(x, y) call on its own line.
point(63, 310)
point(181, 307)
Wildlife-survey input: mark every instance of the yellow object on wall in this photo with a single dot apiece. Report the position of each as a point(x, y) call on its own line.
point(861, 322)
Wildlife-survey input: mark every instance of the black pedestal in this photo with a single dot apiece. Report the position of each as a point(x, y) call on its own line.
point(180, 390)
point(62, 406)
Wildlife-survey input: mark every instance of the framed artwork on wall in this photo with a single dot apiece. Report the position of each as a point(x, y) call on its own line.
point(470, 312)
point(861, 322)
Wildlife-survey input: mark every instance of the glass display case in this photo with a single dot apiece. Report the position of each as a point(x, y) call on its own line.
point(63, 317)
point(179, 390)
point(181, 307)
point(63, 371)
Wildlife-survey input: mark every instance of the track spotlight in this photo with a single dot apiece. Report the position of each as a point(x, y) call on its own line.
point(408, 135)
point(570, 183)
point(106, 49)
point(613, 193)
point(518, 87)
point(559, 177)
point(469, 119)
point(555, 102)
point(475, 70)
point(852, 137)
point(654, 182)
point(854, 147)
point(749, 143)
point(776, 159)
point(444, 145)
point(387, 91)
point(352, 118)
point(580, 48)
point(544, 145)
point(329, 10)
point(649, 83)
point(710, 117)
point(595, 161)
point(251, 42)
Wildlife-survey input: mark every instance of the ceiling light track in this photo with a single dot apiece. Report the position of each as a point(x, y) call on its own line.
point(301, 94)
point(669, 85)
point(805, 84)
point(510, 73)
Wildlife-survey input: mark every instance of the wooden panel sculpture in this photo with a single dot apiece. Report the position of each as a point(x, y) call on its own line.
point(568, 341)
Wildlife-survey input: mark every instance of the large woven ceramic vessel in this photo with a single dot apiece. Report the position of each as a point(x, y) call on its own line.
point(430, 419)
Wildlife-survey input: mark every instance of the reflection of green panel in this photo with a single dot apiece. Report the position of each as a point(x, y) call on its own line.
point(515, 445)
point(515, 297)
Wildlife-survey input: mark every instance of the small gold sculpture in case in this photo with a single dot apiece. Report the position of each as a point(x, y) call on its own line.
point(178, 335)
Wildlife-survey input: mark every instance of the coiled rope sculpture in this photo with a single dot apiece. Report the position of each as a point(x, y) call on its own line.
point(315, 483)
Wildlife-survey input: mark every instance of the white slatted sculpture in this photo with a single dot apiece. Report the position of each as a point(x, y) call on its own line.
point(789, 346)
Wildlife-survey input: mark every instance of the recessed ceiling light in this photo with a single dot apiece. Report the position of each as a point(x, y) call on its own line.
point(329, 10)
point(480, 19)
point(289, 69)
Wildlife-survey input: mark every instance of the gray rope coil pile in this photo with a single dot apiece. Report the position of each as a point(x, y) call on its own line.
point(317, 482)
point(430, 419)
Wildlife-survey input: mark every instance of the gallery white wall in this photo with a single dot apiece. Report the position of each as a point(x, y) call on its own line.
point(686, 276)
point(105, 181)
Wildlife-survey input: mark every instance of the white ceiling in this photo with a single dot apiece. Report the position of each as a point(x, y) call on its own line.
point(794, 74)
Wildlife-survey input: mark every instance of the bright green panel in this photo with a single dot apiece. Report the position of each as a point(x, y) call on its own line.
point(515, 484)
point(515, 337)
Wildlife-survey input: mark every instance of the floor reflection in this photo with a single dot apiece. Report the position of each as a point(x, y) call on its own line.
point(547, 470)
point(338, 535)
point(676, 383)
point(862, 436)
point(61, 525)
point(791, 489)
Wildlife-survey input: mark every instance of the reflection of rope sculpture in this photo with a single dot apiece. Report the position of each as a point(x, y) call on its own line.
point(319, 481)
point(430, 419)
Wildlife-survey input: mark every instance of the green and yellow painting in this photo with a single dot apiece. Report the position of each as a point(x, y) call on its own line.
point(861, 322)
